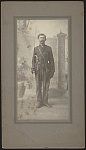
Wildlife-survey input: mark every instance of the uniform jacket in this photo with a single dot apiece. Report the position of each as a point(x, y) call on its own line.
point(43, 59)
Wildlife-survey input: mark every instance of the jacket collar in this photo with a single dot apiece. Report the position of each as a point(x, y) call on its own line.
point(42, 46)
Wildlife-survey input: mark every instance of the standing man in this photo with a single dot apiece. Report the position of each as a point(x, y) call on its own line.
point(43, 67)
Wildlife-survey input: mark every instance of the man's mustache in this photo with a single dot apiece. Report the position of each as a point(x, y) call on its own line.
point(42, 41)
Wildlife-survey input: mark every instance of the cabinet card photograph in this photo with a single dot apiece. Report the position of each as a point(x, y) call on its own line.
point(43, 69)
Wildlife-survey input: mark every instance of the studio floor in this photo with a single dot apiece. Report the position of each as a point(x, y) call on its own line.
point(60, 110)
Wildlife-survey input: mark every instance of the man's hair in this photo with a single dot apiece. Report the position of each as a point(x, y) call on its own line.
point(42, 35)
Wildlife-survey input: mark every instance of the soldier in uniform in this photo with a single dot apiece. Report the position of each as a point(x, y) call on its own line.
point(43, 67)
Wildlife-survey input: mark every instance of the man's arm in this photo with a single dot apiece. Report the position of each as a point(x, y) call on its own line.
point(52, 64)
point(33, 62)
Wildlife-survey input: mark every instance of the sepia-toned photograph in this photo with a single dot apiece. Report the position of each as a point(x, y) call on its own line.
point(42, 77)
point(42, 69)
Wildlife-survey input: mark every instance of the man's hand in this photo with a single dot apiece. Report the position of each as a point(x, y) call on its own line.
point(32, 70)
point(51, 75)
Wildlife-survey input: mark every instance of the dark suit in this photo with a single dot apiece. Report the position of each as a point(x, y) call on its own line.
point(43, 65)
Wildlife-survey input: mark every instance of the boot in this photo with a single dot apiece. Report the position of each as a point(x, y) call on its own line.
point(39, 105)
point(48, 105)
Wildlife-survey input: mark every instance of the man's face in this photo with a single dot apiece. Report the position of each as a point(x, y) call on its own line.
point(42, 39)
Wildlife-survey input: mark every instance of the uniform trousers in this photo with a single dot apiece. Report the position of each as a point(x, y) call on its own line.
point(42, 86)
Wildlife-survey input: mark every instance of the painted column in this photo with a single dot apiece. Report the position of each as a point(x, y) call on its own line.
point(61, 60)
